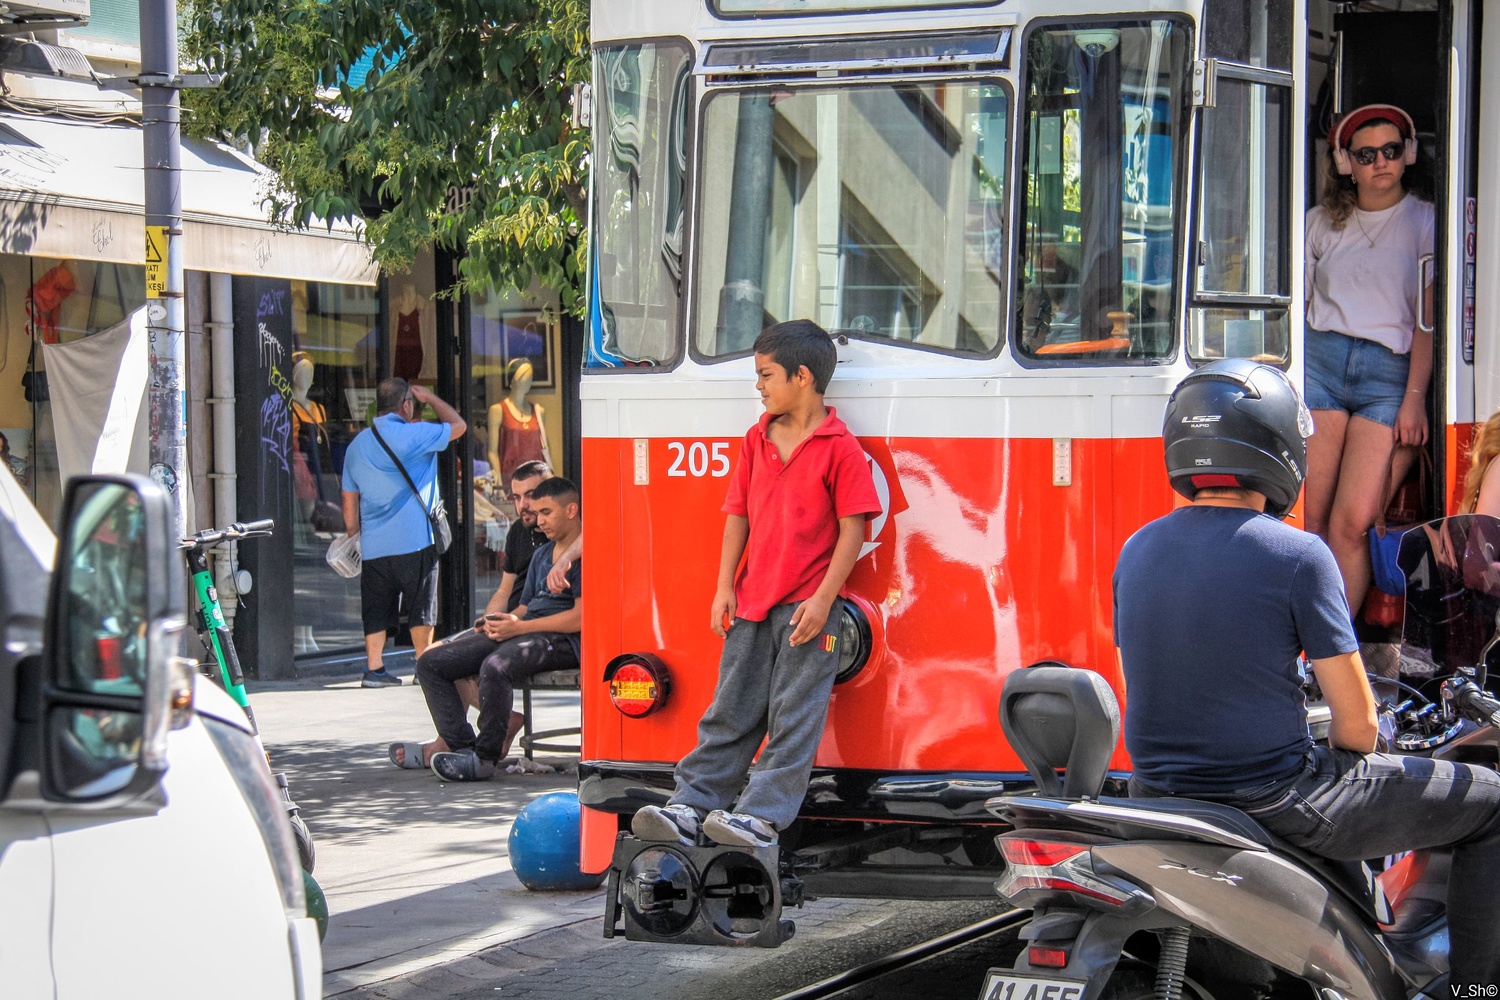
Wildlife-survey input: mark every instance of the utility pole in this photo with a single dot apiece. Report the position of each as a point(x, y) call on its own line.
point(161, 118)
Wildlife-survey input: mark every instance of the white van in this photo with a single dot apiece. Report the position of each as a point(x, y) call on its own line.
point(145, 850)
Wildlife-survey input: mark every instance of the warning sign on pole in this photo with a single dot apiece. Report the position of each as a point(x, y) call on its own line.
point(156, 261)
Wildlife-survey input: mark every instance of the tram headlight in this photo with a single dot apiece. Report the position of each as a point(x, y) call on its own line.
point(856, 639)
point(638, 683)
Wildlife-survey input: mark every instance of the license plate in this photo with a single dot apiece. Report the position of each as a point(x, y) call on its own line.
point(1010, 986)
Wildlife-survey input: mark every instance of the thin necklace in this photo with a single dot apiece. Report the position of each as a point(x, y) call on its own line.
point(1379, 232)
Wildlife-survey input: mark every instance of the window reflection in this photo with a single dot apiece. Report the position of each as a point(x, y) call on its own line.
point(95, 751)
point(875, 210)
point(1244, 215)
point(640, 185)
point(106, 612)
point(1106, 121)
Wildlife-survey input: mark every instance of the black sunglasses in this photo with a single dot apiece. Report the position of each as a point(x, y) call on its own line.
point(1365, 155)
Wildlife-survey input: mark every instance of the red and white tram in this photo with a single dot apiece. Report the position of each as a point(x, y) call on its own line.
point(1024, 221)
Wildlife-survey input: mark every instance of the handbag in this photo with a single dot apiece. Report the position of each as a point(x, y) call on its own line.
point(33, 382)
point(1404, 511)
point(1388, 577)
point(437, 516)
point(326, 516)
point(303, 487)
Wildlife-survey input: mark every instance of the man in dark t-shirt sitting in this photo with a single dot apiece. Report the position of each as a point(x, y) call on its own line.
point(523, 538)
point(505, 649)
point(1212, 605)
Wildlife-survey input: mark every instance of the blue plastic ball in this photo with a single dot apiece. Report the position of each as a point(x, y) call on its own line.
point(544, 844)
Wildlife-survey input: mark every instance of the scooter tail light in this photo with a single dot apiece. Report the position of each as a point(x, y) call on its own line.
point(1043, 853)
point(1057, 866)
point(1040, 956)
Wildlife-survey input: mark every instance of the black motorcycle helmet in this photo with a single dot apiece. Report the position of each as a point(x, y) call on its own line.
point(1238, 423)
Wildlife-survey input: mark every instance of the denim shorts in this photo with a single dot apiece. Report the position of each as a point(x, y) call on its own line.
point(1360, 377)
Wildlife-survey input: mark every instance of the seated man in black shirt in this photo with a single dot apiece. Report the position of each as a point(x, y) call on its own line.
point(504, 648)
point(523, 538)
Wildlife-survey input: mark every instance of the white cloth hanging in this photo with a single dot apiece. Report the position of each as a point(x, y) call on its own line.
point(100, 407)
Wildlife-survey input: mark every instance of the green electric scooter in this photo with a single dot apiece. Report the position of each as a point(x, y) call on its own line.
point(222, 663)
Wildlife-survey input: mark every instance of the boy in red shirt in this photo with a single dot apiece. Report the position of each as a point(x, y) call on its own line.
point(797, 507)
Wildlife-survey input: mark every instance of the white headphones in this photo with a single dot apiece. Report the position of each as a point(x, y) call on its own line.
point(1356, 119)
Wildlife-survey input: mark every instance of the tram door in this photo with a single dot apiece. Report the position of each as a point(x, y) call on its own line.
point(1418, 58)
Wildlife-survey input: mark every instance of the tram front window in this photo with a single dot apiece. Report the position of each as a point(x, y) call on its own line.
point(877, 210)
point(1106, 125)
point(640, 183)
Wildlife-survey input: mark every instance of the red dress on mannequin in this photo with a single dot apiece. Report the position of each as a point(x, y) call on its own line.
point(520, 437)
point(406, 358)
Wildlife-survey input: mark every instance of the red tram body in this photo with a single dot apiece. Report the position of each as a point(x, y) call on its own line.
point(926, 175)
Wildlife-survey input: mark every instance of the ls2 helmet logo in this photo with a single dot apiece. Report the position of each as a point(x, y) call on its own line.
point(1202, 421)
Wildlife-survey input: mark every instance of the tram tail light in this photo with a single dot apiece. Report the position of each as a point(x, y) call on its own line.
point(855, 638)
point(638, 683)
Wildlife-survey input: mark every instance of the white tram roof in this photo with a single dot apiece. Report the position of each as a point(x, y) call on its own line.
point(631, 19)
point(614, 20)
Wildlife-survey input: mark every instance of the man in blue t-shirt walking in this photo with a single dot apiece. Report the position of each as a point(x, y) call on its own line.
point(398, 553)
point(1213, 605)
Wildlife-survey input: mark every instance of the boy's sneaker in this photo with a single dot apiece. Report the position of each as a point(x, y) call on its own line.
point(462, 765)
point(674, 824)
point(379, 679)
point(739, 830)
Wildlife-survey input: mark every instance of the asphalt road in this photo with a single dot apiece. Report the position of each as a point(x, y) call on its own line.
point(832, 936)
point(423, 902)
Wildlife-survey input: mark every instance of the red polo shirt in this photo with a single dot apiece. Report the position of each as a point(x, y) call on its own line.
point(794, 510)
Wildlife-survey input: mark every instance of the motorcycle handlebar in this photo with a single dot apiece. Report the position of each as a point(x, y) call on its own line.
point(1476, 705)
point(235, 532)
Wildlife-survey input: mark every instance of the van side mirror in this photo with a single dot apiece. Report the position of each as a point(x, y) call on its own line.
point(114, 622)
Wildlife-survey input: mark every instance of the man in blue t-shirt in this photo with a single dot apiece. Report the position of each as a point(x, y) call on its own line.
point(506, 649)
point(398, 555)
point(1212, 606)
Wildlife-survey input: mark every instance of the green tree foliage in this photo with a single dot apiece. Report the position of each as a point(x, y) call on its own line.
point(465, 96)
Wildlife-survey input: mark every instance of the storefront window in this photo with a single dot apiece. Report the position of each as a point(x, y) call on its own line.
point(516, 416)
point(47, 303)
point(333, 374)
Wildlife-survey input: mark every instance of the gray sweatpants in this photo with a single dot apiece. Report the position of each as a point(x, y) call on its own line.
point(765, 686)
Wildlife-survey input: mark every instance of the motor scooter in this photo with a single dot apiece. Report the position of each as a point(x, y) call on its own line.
point(1169, 898)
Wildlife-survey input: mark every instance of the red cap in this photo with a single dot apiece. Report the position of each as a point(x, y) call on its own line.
point(1359, 117)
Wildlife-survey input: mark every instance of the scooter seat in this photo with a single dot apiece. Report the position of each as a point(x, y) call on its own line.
point(1353, 879)
point(1224, 817)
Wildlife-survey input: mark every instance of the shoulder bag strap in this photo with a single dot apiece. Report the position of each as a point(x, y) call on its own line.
point(401, 468)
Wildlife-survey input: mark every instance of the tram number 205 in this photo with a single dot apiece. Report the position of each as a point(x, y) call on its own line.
point(699, 459)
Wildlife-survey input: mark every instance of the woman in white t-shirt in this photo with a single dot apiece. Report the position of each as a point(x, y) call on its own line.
point(1368, 364)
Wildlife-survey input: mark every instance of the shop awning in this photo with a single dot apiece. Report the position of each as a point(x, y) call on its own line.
point(74, 190)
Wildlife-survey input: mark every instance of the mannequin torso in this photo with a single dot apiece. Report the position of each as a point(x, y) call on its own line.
point(516, 432)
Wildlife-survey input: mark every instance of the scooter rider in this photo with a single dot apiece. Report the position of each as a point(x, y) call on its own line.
point(1212, 605)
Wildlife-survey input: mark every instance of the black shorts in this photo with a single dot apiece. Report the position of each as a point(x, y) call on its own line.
point(393, 584)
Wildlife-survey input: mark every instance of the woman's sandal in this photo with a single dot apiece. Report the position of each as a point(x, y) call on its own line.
point(411, 755)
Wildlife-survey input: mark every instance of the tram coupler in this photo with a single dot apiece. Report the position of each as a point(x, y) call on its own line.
point(705, 894)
